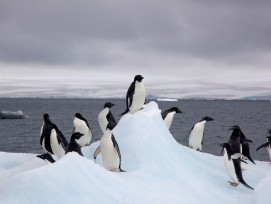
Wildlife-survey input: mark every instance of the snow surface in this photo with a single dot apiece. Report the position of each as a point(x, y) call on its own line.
point(159, 170)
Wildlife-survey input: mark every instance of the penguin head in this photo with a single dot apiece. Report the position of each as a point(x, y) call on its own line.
point(47, 157)
point(78, 115)
point(110, 126)
point(177, 110)
point(269, 132)
point(46, 117)
point(108, 105)
point(138, 78)
point(206, 118)
point(227, 147)
point(76, 136)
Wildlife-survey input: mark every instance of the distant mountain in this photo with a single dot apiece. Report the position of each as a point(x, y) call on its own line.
point(266, 98)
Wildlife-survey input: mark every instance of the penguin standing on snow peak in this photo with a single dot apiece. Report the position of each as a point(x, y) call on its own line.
point(136, 95)
point(168, 115)
point(73, 146)
point(52, 140)
point(267, 144)
point(233, 167)
point(105, 117)
point(196, 134)
point(81, 125)
point(110, 150)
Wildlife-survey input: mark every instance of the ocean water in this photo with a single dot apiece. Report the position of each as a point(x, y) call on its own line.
point(22, 135)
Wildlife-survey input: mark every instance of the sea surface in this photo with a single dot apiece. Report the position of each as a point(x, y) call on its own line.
point(22, 135)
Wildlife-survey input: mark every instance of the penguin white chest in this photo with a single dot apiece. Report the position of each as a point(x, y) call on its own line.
point(169, 118)
point(81, 126)
point(102, 119)
point(110, 156)
point(196, 136)
point(138, 97)
point(230, 167)
point(269, 151)
point(57, 148)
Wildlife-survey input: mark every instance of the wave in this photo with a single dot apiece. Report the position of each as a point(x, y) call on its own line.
point(13, 115)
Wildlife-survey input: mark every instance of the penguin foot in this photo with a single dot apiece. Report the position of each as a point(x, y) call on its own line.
point(233, 183)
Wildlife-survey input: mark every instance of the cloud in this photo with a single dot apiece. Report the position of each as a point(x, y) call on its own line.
point(175, 40)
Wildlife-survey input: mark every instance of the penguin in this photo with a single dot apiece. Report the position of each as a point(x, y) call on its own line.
point(233, 167)
point(52, 139)
point(245, 146)
point(105, 117)
point(110, 151)
point(136, 95)
point(81, 125)
point(267, 144)
point(196, 134)
point(46, 157)
point(168, 115)
point(73, 146)
point(235, 140)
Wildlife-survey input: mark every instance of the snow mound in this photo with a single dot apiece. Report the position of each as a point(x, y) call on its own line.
point(159, 170)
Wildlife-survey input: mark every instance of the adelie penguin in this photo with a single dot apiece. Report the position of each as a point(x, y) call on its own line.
point(239, 143)
point(196, 134)
point(110, 151)
point(136, 95)
point(105, 117)
point(267, 144)
point(81, 125)
point(52, 139)
point(233, 166)
point(73, 146)
point(168, 115)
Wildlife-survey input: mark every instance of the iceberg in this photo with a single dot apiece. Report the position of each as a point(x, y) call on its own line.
point(158, 170)
point(12, 115)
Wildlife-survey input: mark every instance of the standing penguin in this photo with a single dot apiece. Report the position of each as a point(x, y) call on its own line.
point(110, 150)
point(233, 167)
point(81, 125)
point(168, 115)
point(52, 139)
point(73, 146)
point(196, 134)
point(267, 144)
point(236, 140)
point(136, 95)
point(105, 117)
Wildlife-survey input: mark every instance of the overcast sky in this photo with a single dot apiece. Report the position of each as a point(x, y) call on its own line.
point(94, 48)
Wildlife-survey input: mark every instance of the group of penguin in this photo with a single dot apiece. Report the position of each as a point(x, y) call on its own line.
point(54, 143)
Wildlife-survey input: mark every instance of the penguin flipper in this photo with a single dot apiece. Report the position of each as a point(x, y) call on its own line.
point(129, 97)
point(97, 152)
point(188, 136)
point(239, 175)
point(263, 145)
point(246, 153)
point(117, 149)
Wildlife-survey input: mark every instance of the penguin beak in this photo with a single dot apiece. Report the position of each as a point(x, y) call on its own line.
point(211, 119)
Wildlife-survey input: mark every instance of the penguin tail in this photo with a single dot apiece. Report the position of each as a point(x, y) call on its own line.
point(127, 110)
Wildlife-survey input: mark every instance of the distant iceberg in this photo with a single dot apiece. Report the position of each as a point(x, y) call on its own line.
point(12, 115)
point(158, 170)
point(167, 99)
